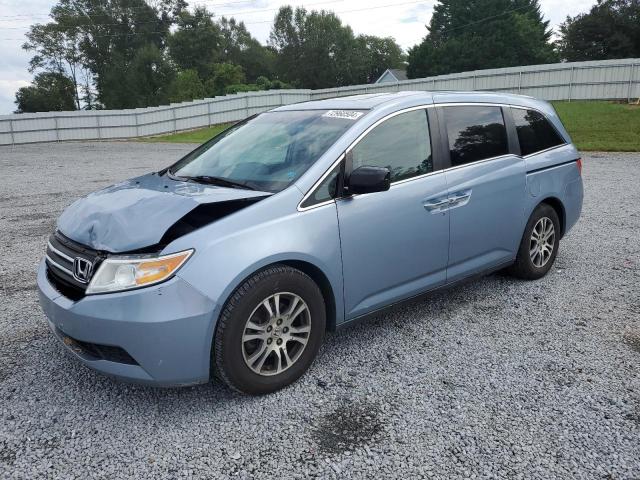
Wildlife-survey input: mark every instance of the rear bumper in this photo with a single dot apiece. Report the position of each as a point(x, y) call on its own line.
point(166, 330)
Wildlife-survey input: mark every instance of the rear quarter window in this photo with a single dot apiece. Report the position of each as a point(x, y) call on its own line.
point(535, 132)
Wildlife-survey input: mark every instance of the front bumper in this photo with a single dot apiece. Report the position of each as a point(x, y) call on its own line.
point(166, 330)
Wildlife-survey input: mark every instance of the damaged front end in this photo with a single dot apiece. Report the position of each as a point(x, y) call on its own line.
point(138, 217)
point(148, 212)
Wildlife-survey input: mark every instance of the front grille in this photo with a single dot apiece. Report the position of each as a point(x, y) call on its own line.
point(66, 289)
point(61, 253)
point(99, 352)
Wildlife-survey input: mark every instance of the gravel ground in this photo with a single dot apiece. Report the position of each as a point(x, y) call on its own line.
point(496, 378)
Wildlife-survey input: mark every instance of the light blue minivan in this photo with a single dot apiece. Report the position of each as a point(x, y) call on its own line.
point(234, 261)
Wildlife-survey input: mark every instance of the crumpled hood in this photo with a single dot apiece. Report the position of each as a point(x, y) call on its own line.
point(136, 213)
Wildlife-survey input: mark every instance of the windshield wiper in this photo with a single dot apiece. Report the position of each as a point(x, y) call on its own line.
point(225, 182)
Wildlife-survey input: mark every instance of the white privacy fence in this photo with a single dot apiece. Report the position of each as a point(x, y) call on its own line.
point(598, 80)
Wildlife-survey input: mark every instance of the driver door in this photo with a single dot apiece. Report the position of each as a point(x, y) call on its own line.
point(395, 244)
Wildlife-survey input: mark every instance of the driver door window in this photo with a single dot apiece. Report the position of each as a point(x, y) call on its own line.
point(401, 144)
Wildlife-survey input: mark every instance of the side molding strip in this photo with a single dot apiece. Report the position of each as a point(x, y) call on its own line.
point(552, 166)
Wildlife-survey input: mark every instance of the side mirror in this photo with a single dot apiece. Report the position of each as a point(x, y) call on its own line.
point(367, 179)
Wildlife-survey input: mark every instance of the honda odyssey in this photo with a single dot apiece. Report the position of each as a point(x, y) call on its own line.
point(235, 260)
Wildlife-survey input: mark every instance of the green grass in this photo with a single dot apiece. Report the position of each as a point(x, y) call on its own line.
point(603, 126)
point(192, 136)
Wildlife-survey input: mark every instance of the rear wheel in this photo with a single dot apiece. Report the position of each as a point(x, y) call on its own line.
point(269, 331)
point(539, 245)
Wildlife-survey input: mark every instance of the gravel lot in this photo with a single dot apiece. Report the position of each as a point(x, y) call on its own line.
point(496, 378)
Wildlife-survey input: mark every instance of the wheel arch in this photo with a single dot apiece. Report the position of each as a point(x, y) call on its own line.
point(319, 277)
point(558, 206)
point(316, 273)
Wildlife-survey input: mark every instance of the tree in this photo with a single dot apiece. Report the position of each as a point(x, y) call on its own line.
point(56, 50)
point(241, 88)
point(479, 34)
point(110, 35)
point(196, 44)
point(186, 86)
point(286, 39)
point(51, 91)
point(199, 42)
point(611, 29)
point(373, 56)
point(263, 83)
point(239, 47)
point(224, 75)
point(315, 50)
point(142, 81)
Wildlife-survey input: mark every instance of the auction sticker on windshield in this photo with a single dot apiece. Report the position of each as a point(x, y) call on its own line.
point(346, 114)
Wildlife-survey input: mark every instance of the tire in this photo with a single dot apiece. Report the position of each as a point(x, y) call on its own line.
point(530, 265)
point(251, 340)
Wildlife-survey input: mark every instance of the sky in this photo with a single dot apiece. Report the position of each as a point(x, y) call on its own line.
point(403, 20)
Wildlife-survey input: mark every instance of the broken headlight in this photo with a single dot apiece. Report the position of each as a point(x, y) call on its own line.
point(124, 273)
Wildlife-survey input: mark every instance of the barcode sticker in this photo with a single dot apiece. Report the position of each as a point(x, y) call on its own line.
point(346, 114)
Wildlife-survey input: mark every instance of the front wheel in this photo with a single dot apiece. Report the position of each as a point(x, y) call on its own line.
point(539, 245)
point(269, 331)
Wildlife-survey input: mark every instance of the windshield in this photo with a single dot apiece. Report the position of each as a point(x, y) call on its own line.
point(267, 152)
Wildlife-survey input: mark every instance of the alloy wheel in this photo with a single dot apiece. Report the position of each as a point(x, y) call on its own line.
point(276, 333)
point(543, 237)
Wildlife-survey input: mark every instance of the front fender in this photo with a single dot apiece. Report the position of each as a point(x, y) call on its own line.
point(229, 251)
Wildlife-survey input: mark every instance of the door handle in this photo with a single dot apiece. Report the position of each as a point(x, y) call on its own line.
point(459, 199)
point(436, 206)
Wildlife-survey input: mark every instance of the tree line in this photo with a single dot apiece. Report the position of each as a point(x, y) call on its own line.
point(131, 53)
point(480, 34)
point(127, 53)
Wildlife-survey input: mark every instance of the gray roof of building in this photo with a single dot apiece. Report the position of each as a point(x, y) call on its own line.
point(399, 74)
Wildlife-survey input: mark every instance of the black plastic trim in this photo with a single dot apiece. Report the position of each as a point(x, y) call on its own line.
point(512, 132)
point(96, 351)
point(440, 158)
point(443, 139)
point(535, 170)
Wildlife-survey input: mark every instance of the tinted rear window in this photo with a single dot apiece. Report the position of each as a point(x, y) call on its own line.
point(535, 133)
point(475, 133)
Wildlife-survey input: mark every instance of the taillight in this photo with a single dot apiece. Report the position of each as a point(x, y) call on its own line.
point(579, 164)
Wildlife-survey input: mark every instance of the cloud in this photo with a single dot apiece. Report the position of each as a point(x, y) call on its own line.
point(419, 13)
point(13, 75)
point(8, 89)
point(405, 21)
point(15, 18)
